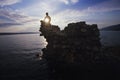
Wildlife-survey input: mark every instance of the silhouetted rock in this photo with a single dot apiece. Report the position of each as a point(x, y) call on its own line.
point(75, 52)
point(77, 43)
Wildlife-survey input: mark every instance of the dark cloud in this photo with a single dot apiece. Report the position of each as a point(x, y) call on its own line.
point(9, 17)
point(2, 18)
point(9, 24)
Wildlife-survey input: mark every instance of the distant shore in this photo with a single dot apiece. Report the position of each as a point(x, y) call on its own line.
point(19, 33)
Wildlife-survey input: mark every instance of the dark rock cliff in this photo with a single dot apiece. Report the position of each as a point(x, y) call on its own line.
point(75, 53)
point(77, 43)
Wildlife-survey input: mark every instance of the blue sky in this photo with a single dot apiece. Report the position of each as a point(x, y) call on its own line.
point(24, 15)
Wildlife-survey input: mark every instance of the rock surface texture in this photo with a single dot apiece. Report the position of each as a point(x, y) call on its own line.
point(77, 43)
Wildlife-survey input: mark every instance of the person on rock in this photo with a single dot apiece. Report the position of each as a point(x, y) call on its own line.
point(47, 18)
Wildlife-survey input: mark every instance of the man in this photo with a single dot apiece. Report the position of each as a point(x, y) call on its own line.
point(47, 18)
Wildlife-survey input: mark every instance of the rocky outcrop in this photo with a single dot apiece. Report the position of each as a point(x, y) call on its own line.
point(75, 53)
point(78, 43)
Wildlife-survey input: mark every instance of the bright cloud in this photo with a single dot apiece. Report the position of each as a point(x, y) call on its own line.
point(65, 1)
point(74, 1)
point(39, 8)
point(8, 2)
point(69, 1)
point(63, 18)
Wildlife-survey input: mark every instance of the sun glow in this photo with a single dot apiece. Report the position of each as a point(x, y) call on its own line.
point(47, 20)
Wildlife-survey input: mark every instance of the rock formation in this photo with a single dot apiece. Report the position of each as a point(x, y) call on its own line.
point(75, 53)
point(77, 43)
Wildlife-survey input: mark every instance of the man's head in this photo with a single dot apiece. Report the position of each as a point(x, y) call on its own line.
point(47, 13)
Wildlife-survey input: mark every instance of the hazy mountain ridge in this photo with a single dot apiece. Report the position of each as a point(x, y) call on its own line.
point(112, 28)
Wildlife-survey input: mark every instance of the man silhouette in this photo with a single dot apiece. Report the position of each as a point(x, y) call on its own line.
point(47, 18)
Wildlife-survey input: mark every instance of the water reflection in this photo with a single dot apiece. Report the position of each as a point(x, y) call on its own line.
point(39, 56)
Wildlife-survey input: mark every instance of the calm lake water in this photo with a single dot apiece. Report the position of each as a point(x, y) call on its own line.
point(30, 44)
point(26, 43)
point(110, 38)
point(18, 60)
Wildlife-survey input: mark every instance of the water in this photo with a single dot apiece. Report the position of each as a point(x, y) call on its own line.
point(18, 59)
point(31, 44)
point(110, 38)
point(22, 42)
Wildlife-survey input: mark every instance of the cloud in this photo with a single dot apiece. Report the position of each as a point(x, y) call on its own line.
point(69, 1)
point(40, 7)
point(8, 2)
point(27, 18)
point(15, 20)
point(91, 14)
point(65, 1)
point(74, 1)
point(15, 16)
point(57, 13)
point(67, 16)
point(9, 24)
point(106, 6)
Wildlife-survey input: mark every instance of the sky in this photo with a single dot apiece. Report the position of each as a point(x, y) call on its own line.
point(25, 15)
